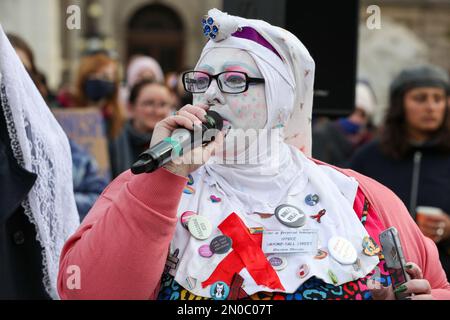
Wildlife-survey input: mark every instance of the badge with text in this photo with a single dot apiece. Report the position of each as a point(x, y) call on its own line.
point(290, 216)
point(296, 241)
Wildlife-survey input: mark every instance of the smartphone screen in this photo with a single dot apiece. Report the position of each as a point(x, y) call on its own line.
point(395, 267)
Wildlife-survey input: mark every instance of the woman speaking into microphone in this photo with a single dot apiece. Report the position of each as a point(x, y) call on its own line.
point(258, 219)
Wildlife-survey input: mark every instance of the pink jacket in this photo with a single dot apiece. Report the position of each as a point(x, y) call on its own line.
point(121, 247)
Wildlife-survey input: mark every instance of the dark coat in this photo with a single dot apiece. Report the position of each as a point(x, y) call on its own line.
point(330, 144)
point(126, 148)
point(20, 253)
point(397, 175)
point(333, 145)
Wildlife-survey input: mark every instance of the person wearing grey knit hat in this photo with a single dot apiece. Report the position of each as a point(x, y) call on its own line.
point(418, 110)
point(420, 76)
point(412, 156)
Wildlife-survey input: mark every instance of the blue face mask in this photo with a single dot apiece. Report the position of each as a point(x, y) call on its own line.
point(348, 126)
point(98, 89)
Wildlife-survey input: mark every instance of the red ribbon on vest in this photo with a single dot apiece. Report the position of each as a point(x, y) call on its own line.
point(246, 253)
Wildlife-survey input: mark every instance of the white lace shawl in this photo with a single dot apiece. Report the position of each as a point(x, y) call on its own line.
point(40, 146)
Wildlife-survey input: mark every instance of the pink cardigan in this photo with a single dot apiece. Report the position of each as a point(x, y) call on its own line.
point(121, 247)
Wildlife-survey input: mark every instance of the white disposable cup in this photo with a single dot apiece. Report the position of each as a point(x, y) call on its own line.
point(423, 212)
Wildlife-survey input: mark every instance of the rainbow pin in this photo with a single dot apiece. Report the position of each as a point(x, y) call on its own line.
point(256, 230)
point(188, 190)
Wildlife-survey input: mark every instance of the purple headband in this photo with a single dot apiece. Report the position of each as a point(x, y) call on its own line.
point(251, 34)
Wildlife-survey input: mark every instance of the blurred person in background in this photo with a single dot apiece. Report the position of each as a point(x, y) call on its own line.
point(97, 85)
point(412, 156)
point(144, 68)
point(336, 141)
point(26, 55)
point(149, 102)
point(181, 97)
point(87, 182)
point(140, 68)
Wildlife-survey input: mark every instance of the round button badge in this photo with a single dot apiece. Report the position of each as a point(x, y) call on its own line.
point(185, 217)
point(342, 250)
point(312, 199)
point(221, 244)
point(219, 290)
point(205, 251)
point(277, 262)
point(290, 216)
point(303, 271)
point(199, 227)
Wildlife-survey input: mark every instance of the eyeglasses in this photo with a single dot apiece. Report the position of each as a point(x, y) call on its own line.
point(228, 81)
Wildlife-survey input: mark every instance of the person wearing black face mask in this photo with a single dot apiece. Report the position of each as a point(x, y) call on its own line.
point(97, 85)
point(98, 89)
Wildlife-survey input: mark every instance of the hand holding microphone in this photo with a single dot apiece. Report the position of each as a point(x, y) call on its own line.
point(180, 138)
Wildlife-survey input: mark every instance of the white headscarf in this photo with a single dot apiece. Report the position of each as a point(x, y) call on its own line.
point(142, 63)
point(247, 189)
point(40, 146)
point(365, 99)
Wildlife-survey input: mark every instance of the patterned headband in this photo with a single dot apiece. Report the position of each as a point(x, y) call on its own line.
point(212, 29)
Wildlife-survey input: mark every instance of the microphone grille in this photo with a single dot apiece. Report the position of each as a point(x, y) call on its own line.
point(214, 120)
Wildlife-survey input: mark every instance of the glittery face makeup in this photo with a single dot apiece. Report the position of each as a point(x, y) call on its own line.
point(247, 110)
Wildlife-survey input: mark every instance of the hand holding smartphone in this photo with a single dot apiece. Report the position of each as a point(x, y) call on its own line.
point(395, 259)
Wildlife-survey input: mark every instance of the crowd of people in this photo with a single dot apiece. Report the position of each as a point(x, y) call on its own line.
point(138, 227)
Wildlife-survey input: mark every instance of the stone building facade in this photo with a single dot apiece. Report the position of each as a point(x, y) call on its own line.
point(169, 30)
point(412, 32)
point(43, 24)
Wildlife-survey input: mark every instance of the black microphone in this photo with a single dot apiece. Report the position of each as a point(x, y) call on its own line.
point(174, 146)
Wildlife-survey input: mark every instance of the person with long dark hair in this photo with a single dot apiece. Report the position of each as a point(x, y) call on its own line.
point(412, 154)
